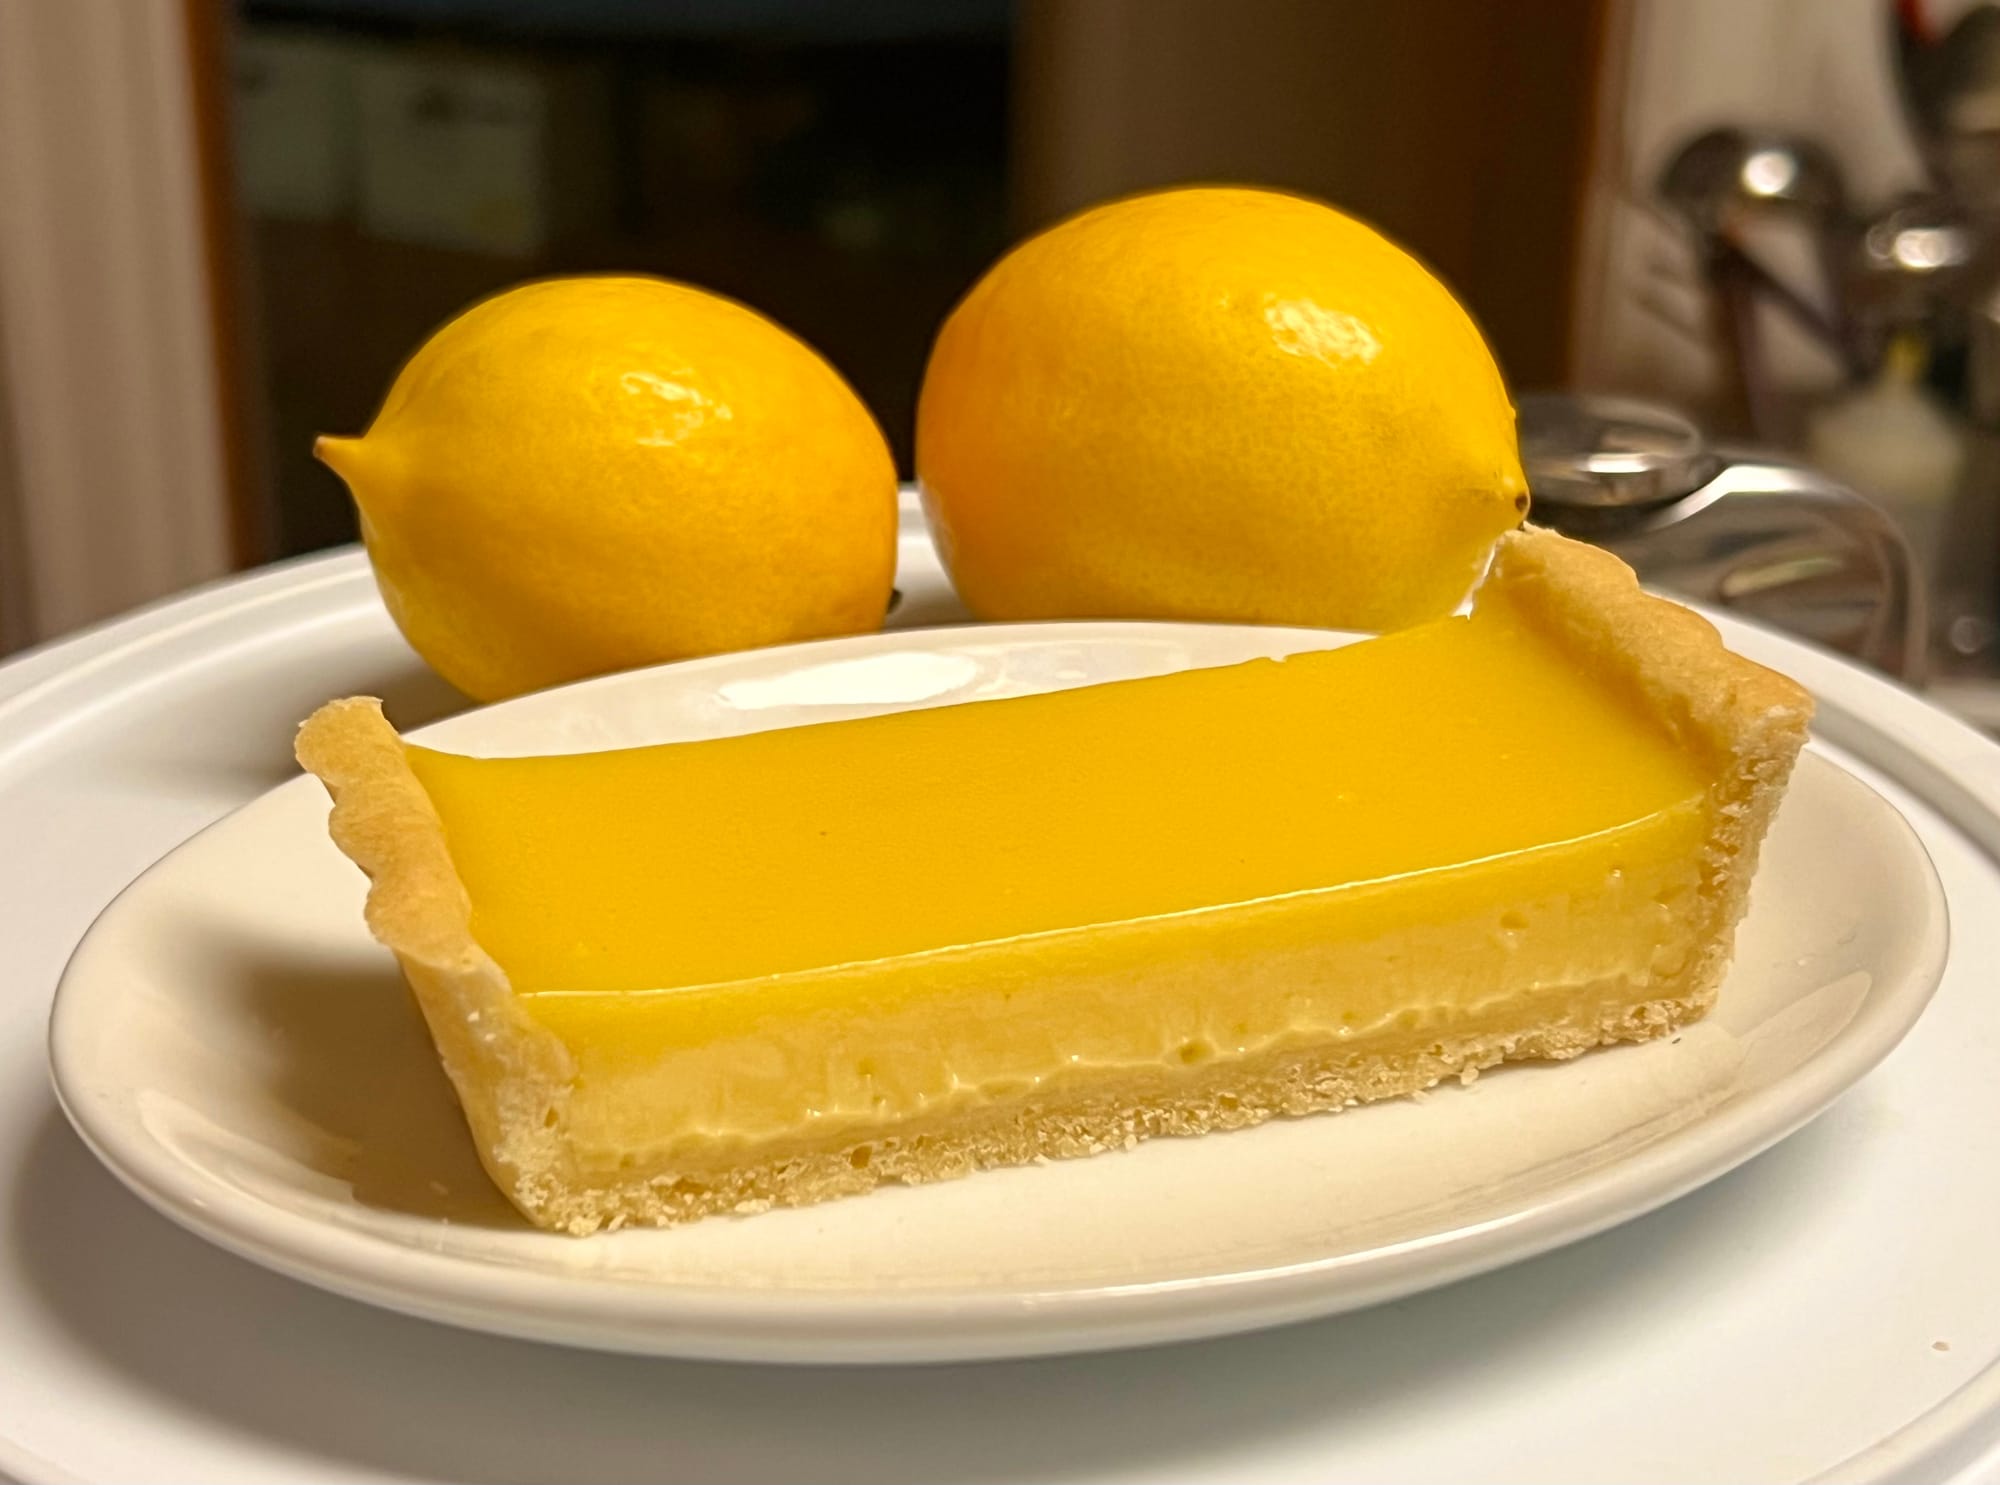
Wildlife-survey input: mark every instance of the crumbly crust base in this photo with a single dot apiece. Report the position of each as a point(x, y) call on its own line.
point(513, 1076)
point(1115, 1116)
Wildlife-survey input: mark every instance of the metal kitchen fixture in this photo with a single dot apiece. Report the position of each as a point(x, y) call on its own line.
point(1754, 532)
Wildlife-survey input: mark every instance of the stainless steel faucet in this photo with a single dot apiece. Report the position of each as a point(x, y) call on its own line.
point(1922, 270)
point(1737, 529)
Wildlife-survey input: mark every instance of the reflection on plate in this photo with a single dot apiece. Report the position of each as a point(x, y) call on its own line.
point(233, 1045)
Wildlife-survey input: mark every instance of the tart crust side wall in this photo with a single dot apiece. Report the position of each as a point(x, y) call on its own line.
point(512, 1076)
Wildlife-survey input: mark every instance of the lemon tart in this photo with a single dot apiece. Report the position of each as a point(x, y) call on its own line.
point(714, 976)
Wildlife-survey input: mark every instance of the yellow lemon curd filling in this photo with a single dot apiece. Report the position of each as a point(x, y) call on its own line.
point(801, 936)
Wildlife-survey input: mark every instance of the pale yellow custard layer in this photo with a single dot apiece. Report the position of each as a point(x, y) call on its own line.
point(827, 928)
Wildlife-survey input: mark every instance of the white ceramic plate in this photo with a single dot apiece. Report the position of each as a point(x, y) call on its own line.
point(234, 1047)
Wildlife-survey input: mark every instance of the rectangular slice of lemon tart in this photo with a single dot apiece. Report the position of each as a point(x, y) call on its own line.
point(713, 976)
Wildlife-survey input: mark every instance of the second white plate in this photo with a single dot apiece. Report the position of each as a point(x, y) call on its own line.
point(233, 1045)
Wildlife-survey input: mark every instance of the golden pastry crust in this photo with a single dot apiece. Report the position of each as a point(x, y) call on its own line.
point(1709, 696)
point(514, 1077)
point(511, 1074)
point(1744, 720)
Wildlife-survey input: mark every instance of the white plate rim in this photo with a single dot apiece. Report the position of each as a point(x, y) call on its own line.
point(715, 1322)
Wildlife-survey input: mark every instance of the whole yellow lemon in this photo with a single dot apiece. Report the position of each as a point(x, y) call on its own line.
point(589, 474)
point(1221, 404)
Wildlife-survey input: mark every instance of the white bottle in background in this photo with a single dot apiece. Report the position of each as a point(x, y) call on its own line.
point(1894, 443)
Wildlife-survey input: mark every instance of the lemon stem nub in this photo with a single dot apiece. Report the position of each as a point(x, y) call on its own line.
point(337, 454)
